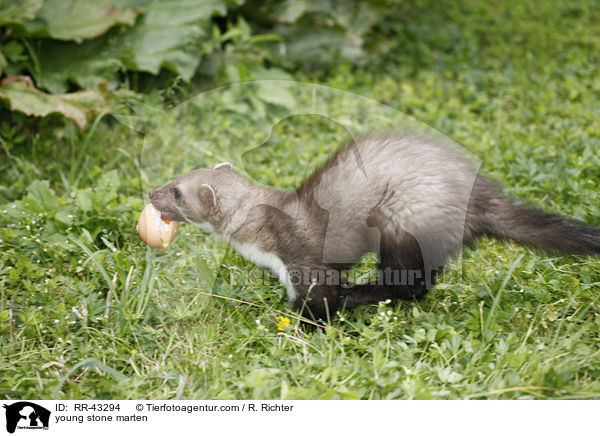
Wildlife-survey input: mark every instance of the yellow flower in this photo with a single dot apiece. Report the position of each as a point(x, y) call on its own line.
point(283, 323)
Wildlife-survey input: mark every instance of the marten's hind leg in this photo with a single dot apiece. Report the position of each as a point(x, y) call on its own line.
point(401, 274)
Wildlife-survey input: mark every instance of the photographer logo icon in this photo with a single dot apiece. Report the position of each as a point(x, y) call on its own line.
point(26, 415)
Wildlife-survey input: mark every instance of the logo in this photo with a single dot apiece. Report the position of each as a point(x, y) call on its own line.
point(26, 415)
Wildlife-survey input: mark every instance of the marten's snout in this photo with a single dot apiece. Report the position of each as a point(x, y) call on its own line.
point(162, 199)
point(155, 198)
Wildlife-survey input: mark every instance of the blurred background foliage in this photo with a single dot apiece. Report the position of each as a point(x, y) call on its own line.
point(50, 49)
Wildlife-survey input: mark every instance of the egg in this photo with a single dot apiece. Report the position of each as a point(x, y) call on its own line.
point(155, 231)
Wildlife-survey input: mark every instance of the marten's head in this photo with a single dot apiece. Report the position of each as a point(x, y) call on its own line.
point(200, 197)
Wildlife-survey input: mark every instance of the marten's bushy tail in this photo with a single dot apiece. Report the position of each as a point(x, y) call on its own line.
point(492, 214)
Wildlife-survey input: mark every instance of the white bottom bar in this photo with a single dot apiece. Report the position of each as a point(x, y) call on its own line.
point(283, 418)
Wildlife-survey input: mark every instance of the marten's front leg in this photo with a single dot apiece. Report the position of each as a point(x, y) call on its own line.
point(317, 290)
point(320, 303)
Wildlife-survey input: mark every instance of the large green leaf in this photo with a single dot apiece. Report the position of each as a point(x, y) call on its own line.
point(86, 64)
point(16, 11)
point(169, 35)
point(290, 10)
point(80, 106)
point(78, 19)
point(149, 48)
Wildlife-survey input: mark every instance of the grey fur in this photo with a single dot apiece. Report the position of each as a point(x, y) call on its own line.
point(410, 198)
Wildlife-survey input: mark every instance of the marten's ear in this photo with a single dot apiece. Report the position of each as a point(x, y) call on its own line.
point(223, 165)
point(208, 198)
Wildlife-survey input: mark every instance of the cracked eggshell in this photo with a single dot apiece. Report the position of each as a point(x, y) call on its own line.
point(153, 230)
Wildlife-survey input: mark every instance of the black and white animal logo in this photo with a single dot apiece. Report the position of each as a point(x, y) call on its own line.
point(26, 415)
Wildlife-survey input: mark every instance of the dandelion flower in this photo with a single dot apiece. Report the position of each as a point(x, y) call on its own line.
point(283, 322)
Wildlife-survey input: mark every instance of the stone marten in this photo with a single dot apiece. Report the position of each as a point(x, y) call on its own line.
point(409, 198)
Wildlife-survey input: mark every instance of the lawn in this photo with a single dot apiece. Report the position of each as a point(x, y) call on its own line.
point(88, 311)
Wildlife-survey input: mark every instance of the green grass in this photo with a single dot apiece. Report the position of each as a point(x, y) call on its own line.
point(87, 311)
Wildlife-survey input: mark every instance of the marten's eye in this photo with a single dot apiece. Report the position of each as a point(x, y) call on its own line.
point(176, 193)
